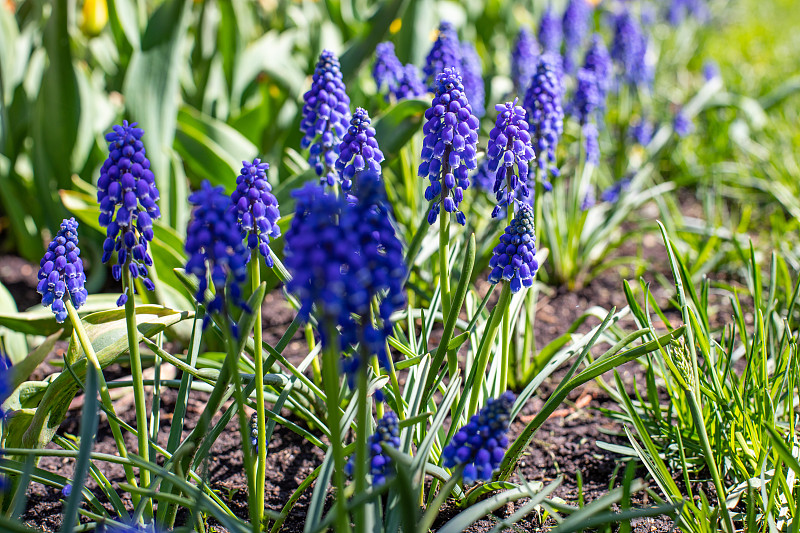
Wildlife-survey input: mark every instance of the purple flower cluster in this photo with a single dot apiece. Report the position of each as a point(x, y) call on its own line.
point(642, 131)
point(514, 258)
point(380, 465)
point(214, 246)
point(482, 178)
point(401, 81)
point(545, 113)
point(445, 54)
point(472, 75)
point(343, 256)
point(629, 49)
point(359, 150)
point(591, 142)
point(682, 124)
point(481, 444)
point(5, 389)
point(509, 145)
point(550, 32)
point(575, 25)
point(585, 104)
point(450, 145)
point(678, 10)
point(61, 271)
point(127, 194)
point(598, 61)
point(612, 193)
point(256, 207)
point(326, 115)
point(523, 59)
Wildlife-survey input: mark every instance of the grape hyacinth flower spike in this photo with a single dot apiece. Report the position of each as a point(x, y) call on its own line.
point(523, 59)
point(214, 246)
point(509, 146)
point(599, 63)
point(480, 445)
point(682, 124)
point(380, 465)
point(127, 194)
point(550, 33)
point(575, 25)
point(359, 150)
point(61, 272)
point(514, 258)
point(472, 75)
point(256, 208)
point(6, 387)
point(450, 146)
point(326, 116)
point(387, 69)
point(445, 53)
point(629, 49)
point(584, 106)
point(545, 111)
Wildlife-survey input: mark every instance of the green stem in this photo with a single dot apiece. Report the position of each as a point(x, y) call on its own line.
point(506, 339)
point(486, 346)
point(444, 268)
point(138, 383)
point(330, 380)
point(360, 473)
point(105, 397)
point(258, 357)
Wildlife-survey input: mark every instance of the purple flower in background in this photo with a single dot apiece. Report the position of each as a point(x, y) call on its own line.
point(472, 75)
point(387, 69)
point(380, 465)
point(256, 208)
point(588, 199)
point(450, 146)
point(445, 53)
point(523, 59)
point(214, 246)
point(629, 49)
point(545, 113)
point(509, 146)
point(679, 9)
point(6, 388)
point(599, 63)
point(586, 101)
point(514, 259)
point(127, 194)
point(67, 490)
point(482, 178)
point(61, 272)
point(591, 142)
point(612, 193)
point(683, 125)
point(550, 31)
point(409, 85)
point(710, 70)
point(642, 131)
point(575, 24)
point(481, 444)
point(326, 116)
point(359, 149)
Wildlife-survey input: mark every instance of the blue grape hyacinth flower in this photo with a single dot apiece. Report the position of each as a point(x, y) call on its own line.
point(586, 101)
point(326, 117)
point(387, 68)
point(472, 75)
point(450, 146)
point(545, 111)
point(445, 53)
point(381, 465)
point(550, 32)
point(613, 193)
point(575, 25)
point(523, 59)
point(6, 388)
point(642, 131)
point(509, 146)
point(682, 124)
point(214, 246)
point(409, 85)
point(127, 194)
point(256, 208)
point(591, 142)
point(359, 149)
point(629, 50)
point(514, 258)
point(61, 272)
point(481, 444)
point(598, 61)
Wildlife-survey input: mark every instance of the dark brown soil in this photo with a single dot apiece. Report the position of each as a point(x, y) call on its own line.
point(565, 445)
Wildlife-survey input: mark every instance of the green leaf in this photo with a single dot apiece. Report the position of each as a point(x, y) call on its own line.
point(108, 334)
point(22, 370)
point(364, 48)
point(40, 320)
point(15, 344)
